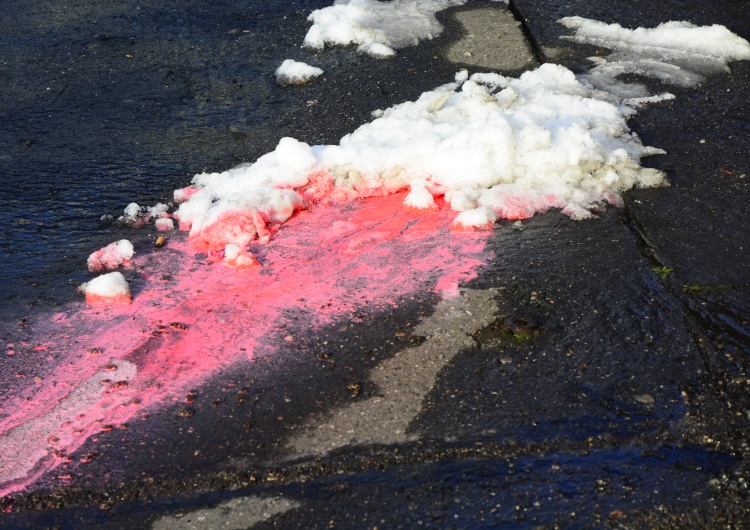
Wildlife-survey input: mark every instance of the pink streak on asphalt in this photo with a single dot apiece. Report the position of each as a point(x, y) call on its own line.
point(323, 263)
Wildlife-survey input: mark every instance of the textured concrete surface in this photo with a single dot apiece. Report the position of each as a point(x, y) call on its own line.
point(491, 39)
point(235, 514)
point(404, 380)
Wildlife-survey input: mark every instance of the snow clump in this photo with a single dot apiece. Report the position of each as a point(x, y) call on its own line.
point(296, 73)
point(107, 289)
point(377, 28)
point(183, 194)
point(164, 224)
point(138, 216)
point(111, 256)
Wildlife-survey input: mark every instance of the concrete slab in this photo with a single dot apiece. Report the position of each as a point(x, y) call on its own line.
point(492, 39)
point(235, 514)
point(403, 381)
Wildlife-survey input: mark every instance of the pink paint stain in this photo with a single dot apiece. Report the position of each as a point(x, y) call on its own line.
point(323, 264)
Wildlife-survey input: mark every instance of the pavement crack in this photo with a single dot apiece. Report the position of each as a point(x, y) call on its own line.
point(645, 244)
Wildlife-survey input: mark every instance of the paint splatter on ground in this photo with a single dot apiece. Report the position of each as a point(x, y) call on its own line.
point(193, 316)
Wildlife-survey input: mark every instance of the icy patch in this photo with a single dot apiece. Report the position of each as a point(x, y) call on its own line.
point(164, 225)
point(675, 53)
point(107, 288)
point(296, 73)
point(111, 256)
point(377, 28)
point(543, 141)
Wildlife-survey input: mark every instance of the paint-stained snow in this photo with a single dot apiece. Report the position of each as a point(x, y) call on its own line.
point(107, 288)
point(164, 224)
point(112, 256)
point(492, 146)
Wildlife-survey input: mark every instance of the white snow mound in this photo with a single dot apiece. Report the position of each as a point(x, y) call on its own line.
point(377, 28)
point(293, 72)
point(543, 141)
point(107, 288)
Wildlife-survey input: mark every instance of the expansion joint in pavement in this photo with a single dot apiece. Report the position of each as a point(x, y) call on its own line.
point(647, 247)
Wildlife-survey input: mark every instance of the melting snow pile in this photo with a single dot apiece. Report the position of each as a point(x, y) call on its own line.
point(493, 147)
point(111, 256)
point(107, 288)
point(377, 28)
point(677, 53)
point(296, 73)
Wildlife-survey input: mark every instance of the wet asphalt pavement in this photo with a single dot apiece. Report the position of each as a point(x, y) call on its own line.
point(595, 375)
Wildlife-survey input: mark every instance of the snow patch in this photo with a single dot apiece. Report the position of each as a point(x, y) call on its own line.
point(377, 28)
point(111, 256)
point(138, 216)
point(470, 220)
point(676, 53)
point(493, 147)
point(164, 225)
point(183, 194)
point(107, 289)
point(293, 72)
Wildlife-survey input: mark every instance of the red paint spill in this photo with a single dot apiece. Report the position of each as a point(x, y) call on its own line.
point(515, 206)
point(320, 265)
point(234, 226)
point(460, 227)
point(94, 299)
point(184, 194)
